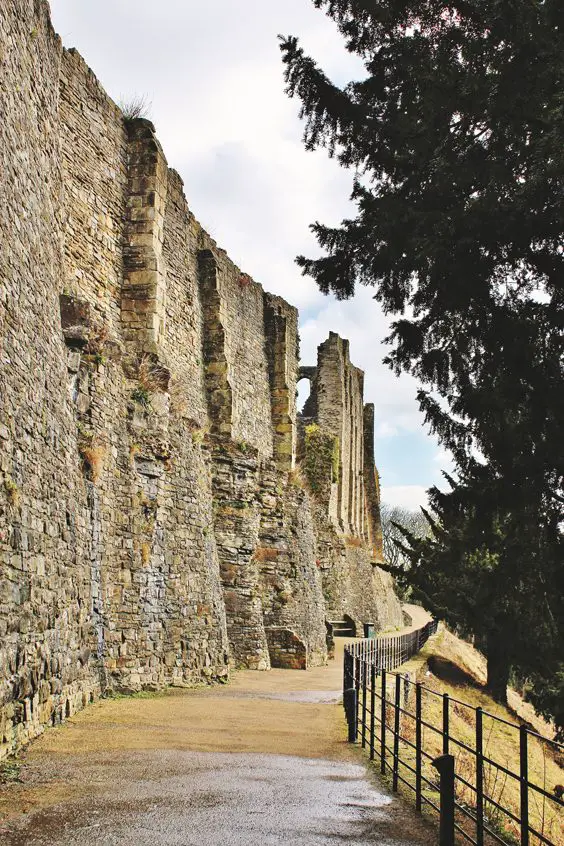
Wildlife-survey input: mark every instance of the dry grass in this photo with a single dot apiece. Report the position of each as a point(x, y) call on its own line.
point(138, 106)
point(501, 741)
point(134, 451)
point(152, 376)
point(93, 451)
point(179, 403)
point(297, 479)
point(152, 380)
point(97, 342)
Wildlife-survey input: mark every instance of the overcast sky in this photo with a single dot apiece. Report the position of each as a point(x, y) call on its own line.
point(213, 74)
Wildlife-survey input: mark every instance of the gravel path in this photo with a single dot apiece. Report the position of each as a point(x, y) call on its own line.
point(261, 761)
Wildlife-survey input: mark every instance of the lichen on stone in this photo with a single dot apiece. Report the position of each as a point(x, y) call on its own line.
point(321, 460)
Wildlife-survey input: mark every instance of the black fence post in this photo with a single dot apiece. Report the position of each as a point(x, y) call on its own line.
point(445, 765)
point(524, 780)
point(349, 700)
point(418, 745)
point(350, 694)
point(348, 672)
point(372, 707)
point(383, 725)
point(357, 670)
point(364, 683)
point(479, 778)
point(445, 723)
point(397, 705)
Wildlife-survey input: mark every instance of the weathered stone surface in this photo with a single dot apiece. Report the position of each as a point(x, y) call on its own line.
point(153, 528)
point(287, 650)
point(337, 425)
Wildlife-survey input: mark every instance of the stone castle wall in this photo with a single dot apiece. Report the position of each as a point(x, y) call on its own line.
point(153, 529)
point(46, 634)
point(336, 419)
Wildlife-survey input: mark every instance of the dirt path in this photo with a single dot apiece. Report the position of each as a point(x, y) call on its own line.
point(262, 760)
point(419, 617)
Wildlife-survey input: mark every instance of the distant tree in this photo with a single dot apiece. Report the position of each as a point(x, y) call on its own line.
point(456, 134)
point(393, 516)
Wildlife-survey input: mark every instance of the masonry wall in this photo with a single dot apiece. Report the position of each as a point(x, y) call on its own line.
point(242, 314)
point(339, 386)
point(183, 342)
point(156, 596)
point(290, 580)
point(94, 158)
point(338, 429)
point(153, 528)
point(47, 640)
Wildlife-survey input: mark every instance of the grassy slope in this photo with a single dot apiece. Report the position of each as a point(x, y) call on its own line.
point(448, 655)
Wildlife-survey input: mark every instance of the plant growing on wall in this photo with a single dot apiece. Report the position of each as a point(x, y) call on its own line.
point(12, 491)
point(97, 342)
point(93, 451)
point(141, 396)
point(136, 107)
point(152, 377)
point(321, 460)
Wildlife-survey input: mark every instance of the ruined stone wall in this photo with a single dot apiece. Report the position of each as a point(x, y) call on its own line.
point(372, 486)
point(110, 572)
point(338, 387)
point(153, 529)
point(242, 316)
point(289, 575)
point(281, 329)
point(183, 342)
point(336, 448)
point(47, 641)
point(94, 157)
point(156, 596)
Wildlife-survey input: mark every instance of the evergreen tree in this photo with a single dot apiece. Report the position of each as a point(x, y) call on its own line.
point(456, 134)
point(482, 570)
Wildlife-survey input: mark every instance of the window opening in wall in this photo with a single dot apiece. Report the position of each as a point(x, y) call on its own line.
point(303, 394)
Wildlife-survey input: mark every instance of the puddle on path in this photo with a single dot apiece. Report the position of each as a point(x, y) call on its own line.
point(207, 799)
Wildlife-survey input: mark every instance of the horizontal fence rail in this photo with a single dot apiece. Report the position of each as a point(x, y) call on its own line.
point(390, 651)
point(482, 793)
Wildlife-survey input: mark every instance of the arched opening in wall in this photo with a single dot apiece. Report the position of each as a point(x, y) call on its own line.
point(351, 624)
point(303, 394)
point(306, 400)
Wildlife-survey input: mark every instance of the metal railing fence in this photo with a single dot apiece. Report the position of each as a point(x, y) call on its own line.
point(408, 728)
point(390, 651)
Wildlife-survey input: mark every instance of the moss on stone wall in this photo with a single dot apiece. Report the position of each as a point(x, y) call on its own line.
point(321, 461)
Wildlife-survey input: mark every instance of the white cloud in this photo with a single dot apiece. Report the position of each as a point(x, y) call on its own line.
point(214, 74)
point(385, 430)
point(406, 496)
point(444, 461)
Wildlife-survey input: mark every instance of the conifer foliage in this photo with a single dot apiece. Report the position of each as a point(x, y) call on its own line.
point(456, 137)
